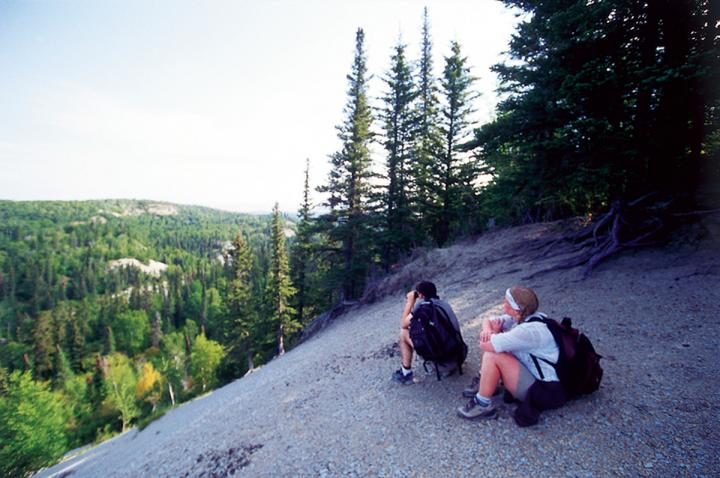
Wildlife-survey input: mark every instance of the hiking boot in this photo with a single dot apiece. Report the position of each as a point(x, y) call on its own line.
point(399, 377)
point(472, 410)
point(472, 389)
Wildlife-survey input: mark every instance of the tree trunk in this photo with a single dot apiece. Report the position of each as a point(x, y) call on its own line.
point(250, 363)
point(281, 340)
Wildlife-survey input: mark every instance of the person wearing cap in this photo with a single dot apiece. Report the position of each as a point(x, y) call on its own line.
point(422, 293)
point(521, 354)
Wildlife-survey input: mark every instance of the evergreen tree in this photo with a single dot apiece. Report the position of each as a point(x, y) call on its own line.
point(63, 370)
point(280, 290)
point(604, 100)
point(453, 175)
point(349, 188)
point(109, 344)
point(156, 331)
point(300, 258)
point(44, 345)
point(427, 138)
point(242, 330)
point(398, 123)
point(76, 342)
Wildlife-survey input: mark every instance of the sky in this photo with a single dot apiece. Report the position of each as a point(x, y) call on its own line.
point(215, 103)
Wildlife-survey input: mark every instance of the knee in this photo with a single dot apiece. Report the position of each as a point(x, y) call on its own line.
point(494, 357)
point(405, 336)
point(489, 357)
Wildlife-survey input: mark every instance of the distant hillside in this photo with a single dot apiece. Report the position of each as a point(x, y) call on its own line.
point(92, 287)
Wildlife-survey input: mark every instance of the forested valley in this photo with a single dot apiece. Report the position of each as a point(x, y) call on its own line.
point(608, 114)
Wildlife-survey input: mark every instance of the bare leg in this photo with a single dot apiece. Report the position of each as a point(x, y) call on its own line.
point(406, 348)
point(496, 366)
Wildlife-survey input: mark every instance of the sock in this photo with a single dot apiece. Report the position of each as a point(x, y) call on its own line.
point(482, 401)
point(405, 371)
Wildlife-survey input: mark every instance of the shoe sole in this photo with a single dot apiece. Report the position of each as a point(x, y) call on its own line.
point(479, 417)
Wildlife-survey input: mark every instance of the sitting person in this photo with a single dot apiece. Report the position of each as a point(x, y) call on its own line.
point(423, 293)
point(520, 352)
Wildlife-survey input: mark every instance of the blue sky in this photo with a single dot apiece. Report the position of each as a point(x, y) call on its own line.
point(213, 103)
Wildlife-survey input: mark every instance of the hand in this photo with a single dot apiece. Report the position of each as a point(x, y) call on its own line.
point(411, 296)
point(485, 336)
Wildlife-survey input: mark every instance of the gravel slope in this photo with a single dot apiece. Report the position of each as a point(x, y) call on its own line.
point(328, 407)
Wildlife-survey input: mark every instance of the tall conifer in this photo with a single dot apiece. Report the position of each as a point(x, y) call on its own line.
point(398, 121)
point(349, 189)
point(455, 171)
point(279, 287)
point(427, 143)
point(301, 250)
point(241, 331)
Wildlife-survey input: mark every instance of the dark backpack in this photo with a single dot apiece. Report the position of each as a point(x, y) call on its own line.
point(578, 366)
point(435, 339)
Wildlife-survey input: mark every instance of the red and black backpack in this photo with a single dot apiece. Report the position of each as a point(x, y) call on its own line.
point(578, 366)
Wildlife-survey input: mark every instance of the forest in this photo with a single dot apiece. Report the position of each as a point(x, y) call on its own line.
point(608, 115)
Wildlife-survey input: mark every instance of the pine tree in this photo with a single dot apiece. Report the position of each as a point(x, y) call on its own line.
point(605, 101)
point(242, 330)
point(76, 342)
point(349, 188)
point(300, 257)
point(156, 330)
point(279, 287)
point(63, 371)
point(454, 174)
point(109, 344)
point(398, 122)
point(44, 345)
point(427, 141)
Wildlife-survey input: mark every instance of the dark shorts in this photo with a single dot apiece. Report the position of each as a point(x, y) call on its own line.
point(540, 396)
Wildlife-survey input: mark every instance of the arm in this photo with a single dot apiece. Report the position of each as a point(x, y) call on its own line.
point(406, 315)
point(490, 327)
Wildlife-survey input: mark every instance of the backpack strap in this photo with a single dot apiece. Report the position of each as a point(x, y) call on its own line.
point(436, 308)
point(537, 365)
point(544, 319)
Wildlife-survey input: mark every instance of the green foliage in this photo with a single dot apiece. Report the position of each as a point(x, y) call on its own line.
point(204, 360)
point(451, 180)
point(348, 224)
point(32, 434)
point(427, 137)
point(132, 331)
point(120, 383)
point(279, 289)
point(604, 101)
point(400, 226)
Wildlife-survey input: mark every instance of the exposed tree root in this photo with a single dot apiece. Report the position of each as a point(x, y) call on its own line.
point(643, 222)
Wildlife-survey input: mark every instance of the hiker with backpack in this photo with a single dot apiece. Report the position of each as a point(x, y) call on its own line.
point(521, 352)
point(429, 326)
